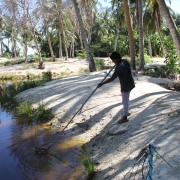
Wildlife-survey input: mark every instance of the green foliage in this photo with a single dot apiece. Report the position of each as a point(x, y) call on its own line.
point(7, 99)
point(81, 54)
point(26, 114)
point(6, 54)
point(100, 65)
point(147, 59)
point(7, 94)
point(103, 47)
point(84, 70)
point(88, 162)
point(43, 114)
point(8, 63)
point(25, 110)
point(171, 59)
point(47, 76)
point(35, 56)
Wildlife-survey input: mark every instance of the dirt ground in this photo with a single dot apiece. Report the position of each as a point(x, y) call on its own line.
point(155, 113)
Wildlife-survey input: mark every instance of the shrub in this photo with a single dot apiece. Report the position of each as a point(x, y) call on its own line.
point(147, 59)
point(25, 110)
point(100, 65)
point(80, 54)
point(43, 114)
point(88, 162)
point(6, 54)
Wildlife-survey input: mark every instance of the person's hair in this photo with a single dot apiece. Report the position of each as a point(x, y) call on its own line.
point(115, 55)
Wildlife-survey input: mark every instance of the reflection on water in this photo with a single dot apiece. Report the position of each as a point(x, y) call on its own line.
point(19, 161)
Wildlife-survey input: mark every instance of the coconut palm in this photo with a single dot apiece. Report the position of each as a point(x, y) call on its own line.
point(141, 34)
point(44, 8)
point(90, 59)
point(130, 34)
point(11, 8)
point(170, 24)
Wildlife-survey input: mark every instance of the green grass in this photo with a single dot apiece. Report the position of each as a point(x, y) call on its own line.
point(43, 114)
point(147, 59)
point(7, 94)
point(100, 65)
point(47, 76)
point(25, 109)
point(25, 113)
point(84, 70)
point(87, 160)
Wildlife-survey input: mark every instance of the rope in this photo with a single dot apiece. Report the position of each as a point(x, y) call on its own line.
point(143, 162)
point(162, 158)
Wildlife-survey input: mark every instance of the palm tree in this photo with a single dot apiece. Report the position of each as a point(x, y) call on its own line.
point(43, 11)
point(90, 59)
point(118, 20)
point(1, 32)
point(141, 34)
point(59, 25)
point(170, 24)
point(11, 8)
point(130, 34)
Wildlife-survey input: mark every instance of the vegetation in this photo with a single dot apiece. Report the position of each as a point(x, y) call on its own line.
point(25, 110)
point(55, 33)
point(7, 94)
point(26, 114)
point(100, 65)
point(88, 162)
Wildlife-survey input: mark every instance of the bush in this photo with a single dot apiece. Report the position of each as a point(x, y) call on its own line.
point(6, 54)
point(25, 110)
point(43, 114)
point(100, 65)
point(171, 58)
point(88, 162)
point(147, 59)
point(80, 54)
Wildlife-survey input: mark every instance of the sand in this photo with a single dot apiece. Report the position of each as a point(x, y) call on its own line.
point(155, 113)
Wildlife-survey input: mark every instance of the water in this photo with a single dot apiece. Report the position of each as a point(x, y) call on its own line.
point(8, 165)
point(19, 161)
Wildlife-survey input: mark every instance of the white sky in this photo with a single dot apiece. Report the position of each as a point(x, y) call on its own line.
point(175, 4)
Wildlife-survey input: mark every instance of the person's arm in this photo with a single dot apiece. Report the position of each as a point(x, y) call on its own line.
point(107, 81)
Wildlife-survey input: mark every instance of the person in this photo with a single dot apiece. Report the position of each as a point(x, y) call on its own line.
point(123, 72)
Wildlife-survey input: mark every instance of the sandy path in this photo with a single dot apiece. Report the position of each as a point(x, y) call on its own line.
point(154, 117)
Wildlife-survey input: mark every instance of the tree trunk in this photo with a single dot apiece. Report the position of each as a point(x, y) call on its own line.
point(170, 23)
point(116, 39)
point(141, 35)
point(90, 59)
point(63, 35)
point(49, 43)
point(81, 42)
point(41, 64)
point(65, 45)
point(149, 45)
point(60, 46)
point(47, 32)
point(130, 35)
point(159, 34)
point(26, 49)
point(1, 41)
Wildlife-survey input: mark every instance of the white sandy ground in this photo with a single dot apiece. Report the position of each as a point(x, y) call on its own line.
point(155, 116)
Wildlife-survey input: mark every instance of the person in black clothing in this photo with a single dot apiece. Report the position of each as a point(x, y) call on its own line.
point(123, 72)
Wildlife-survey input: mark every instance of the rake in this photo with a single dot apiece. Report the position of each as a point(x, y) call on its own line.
point(43, 151)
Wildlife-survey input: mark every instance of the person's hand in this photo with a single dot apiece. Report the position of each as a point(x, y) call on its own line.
point(99, 85)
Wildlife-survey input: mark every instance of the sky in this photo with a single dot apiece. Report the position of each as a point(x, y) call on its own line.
point(175, 4)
